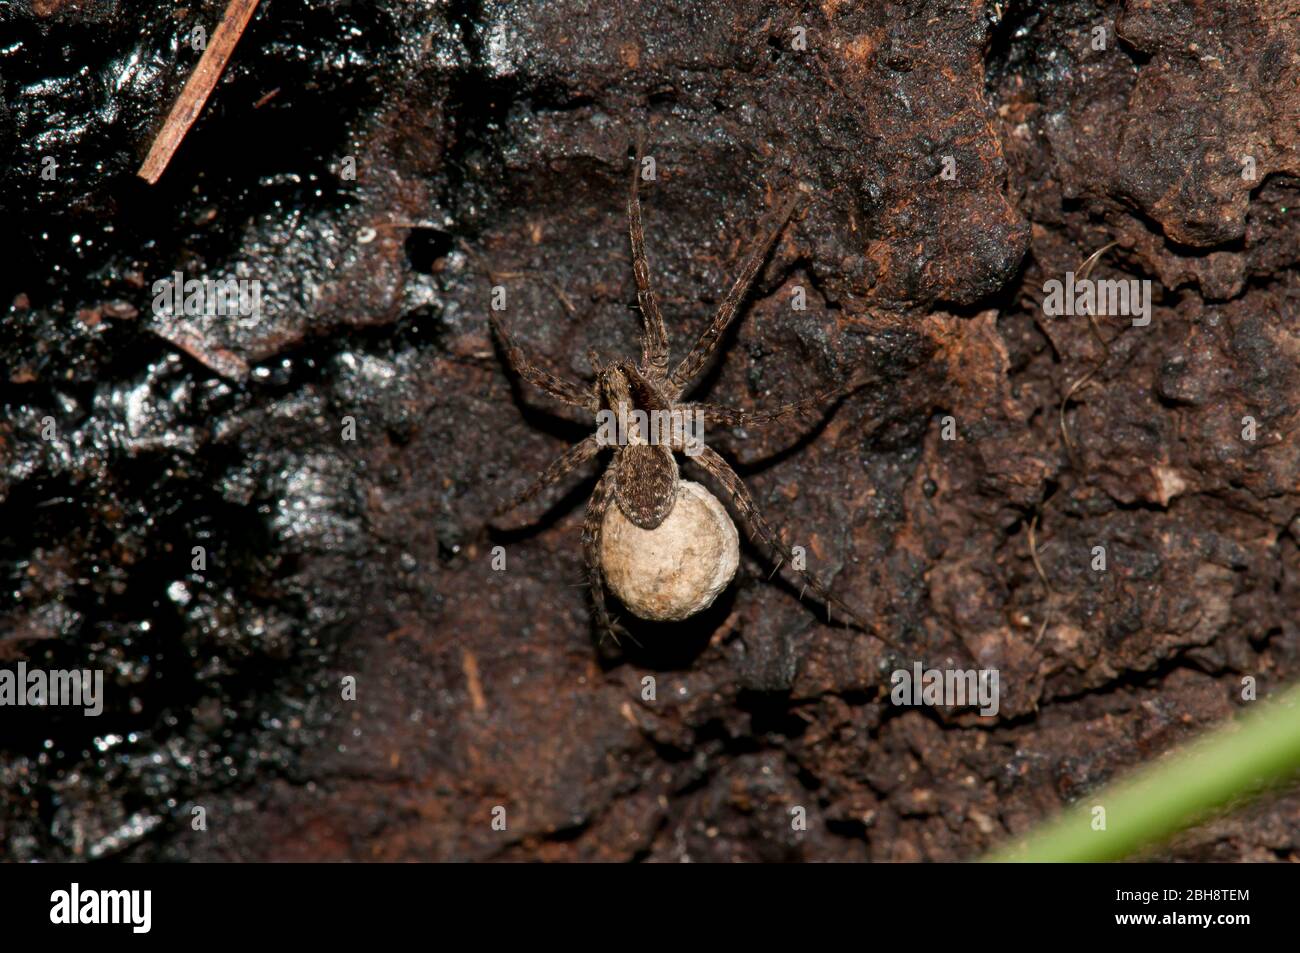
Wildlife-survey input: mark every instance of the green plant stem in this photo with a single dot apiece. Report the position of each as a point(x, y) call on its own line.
point(1255, 750)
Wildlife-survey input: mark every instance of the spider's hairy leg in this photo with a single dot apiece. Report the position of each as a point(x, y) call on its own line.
point(560, 389)
point(561, 467)
point(758, 527)
point(592, 526)
point(707, 343)
point(654, 337)
point(734, 417)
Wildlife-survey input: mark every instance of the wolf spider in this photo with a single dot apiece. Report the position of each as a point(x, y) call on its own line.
point(642, 478)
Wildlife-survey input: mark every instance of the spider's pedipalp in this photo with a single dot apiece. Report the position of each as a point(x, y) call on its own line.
point(654, 337)
point(757, 526)
point(560, 389)
point(707, 343)
point(561, 467)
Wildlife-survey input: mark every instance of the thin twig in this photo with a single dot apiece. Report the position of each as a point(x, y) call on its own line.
point(1085, 269)
point(1033, 555)
point(197, 88)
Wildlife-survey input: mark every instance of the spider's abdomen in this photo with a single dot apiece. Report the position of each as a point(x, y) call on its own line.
point(645, 483)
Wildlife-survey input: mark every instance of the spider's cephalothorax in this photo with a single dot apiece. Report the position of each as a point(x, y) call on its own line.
point(642, 479)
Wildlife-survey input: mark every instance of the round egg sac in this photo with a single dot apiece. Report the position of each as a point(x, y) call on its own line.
point(678, 568)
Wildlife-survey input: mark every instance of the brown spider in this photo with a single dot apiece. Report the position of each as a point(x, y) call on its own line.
point(642, 478)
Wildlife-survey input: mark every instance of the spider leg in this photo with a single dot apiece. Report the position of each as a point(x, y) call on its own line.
point(561, 467)
point(654, 339)
point(560, 389)
point(707, 343)
point(730, 416)
point(758, 527)
point(592, 526)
